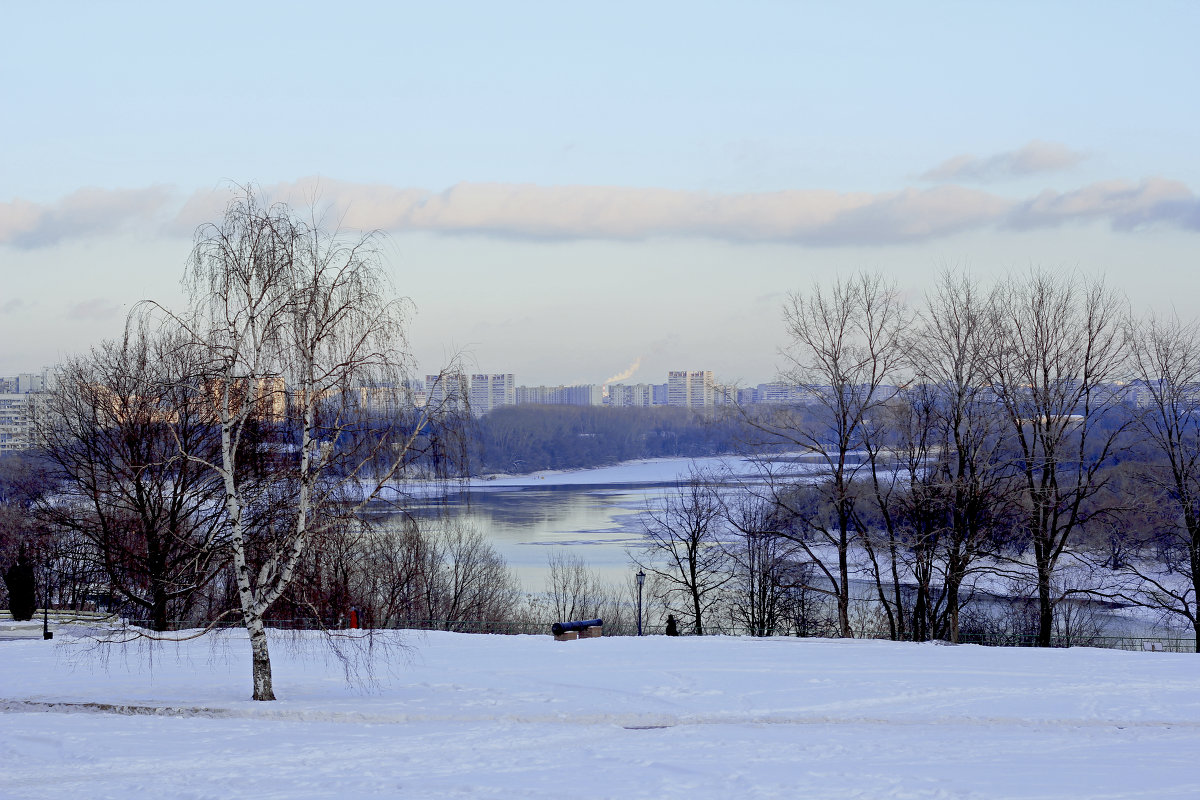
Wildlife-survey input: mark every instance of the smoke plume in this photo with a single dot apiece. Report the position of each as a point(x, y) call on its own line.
point(626, 375)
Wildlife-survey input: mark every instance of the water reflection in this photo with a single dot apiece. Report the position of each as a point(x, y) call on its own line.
point(597, 523)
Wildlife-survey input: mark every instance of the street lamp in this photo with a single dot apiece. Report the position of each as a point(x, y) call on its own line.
point(641, 580)
point(46, 634)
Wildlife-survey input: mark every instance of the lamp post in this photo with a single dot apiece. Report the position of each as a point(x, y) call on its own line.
point(641, 580)
point(46, 634)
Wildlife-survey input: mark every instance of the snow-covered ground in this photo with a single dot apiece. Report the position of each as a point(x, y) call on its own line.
point(456, 715)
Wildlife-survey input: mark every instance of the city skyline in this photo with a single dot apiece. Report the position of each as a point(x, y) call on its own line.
point(572, 195)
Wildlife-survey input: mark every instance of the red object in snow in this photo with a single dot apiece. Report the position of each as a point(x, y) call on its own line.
point(354, 618)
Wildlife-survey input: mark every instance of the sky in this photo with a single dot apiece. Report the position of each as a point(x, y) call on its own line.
point(568, 190)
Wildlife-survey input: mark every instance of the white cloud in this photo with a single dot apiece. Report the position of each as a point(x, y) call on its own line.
point(86, 211)
point(610, 212)
point(1034, 158)
point(527, 211)
point(1124, 204)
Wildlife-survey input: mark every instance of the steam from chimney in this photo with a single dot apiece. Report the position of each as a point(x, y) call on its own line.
point(623, 376)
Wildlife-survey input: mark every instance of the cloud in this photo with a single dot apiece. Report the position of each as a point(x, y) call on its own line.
point(567, 213)
point(1035, 158)
point(12, 306)
point(97, 308)
point(85, 212)
point(1124, 205)
point(622, 213)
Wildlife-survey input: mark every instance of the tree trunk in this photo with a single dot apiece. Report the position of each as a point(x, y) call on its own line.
point(901, 630)
point(952, 607)
point(261, 659)
point(1045, 610)
point(844, 576)
point(158, 609)
point(920, 622)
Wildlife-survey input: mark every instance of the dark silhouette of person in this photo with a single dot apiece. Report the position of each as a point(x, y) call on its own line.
point(672, 625)
point(22, 591)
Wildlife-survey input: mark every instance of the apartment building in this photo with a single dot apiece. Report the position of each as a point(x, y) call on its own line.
point(491, 391)
point(634, 394)
point(691, 388)
point(18, 396)
point(586, 394)
point(448, 391)
point(16, 421)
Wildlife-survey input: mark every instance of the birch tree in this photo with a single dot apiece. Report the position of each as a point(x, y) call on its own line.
point(303, 338)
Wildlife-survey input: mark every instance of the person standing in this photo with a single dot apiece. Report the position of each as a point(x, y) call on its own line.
point(22, 588)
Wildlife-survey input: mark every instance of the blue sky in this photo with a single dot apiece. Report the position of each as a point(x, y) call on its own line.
point(567, 188)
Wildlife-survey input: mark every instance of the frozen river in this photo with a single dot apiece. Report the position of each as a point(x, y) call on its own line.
point(597, 514)
point(593, 514)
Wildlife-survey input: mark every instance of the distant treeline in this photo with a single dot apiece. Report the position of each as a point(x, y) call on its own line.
point(528, 438)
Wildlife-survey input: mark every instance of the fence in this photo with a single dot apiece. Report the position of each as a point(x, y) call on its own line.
point(507, 627)
point(1169, 644)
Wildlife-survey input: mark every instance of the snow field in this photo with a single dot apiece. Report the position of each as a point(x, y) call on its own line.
point(456, 715)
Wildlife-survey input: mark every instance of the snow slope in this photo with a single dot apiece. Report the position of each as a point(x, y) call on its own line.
point(455, 715)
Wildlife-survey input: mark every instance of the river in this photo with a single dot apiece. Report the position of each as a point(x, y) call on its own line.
point(596, 515)
point(593, 514)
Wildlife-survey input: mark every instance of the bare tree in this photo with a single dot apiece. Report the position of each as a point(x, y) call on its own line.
point(761, 563)
point(1056, 344)
point(112, 430)
point(1165, 358)
point(846, 345)
point(896, 443)
point(574, 591)
point(24, 481)
point(474, 584)
point(398, 563)
point(299, 331)
point(959, 484)
point(419, 573)
point(682, 549)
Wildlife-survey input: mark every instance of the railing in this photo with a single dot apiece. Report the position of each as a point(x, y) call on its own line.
point(305, 624)
point(1169, 644)
point(508, 627)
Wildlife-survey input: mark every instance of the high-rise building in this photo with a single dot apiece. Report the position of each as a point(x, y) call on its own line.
point(19, 396)
point(587, 394)
point(448, 391)
point(16, 421)
point(690, 388)
point(490, 391)
point(779, 393)
point(635, 394)
point(27, 382)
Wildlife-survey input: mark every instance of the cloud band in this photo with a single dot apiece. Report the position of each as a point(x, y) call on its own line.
point(808, 217)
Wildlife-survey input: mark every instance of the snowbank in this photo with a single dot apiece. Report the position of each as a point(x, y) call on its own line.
point(524, 716)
